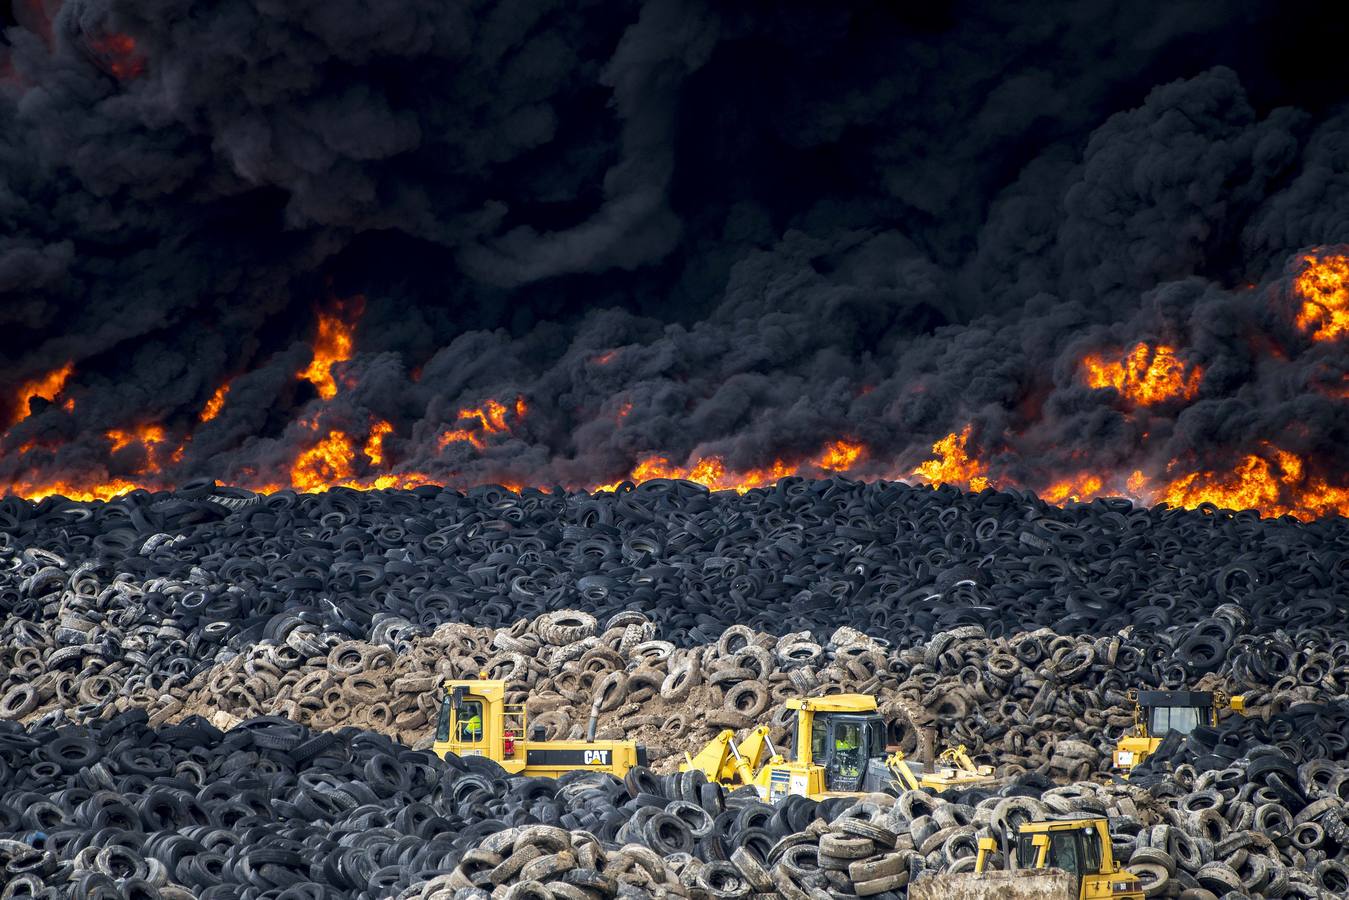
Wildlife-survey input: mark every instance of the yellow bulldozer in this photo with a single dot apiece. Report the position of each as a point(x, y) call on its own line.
point(1059, 858)
point(1158, 712)
point(475, 720)
point(838, 749)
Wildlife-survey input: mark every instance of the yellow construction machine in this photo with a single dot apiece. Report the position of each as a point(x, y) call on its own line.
point(1059, 858)
point(1158, 712)
point(839, 748)
point(475, 720)
point(953, 768)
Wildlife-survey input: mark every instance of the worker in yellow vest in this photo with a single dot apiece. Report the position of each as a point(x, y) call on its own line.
point(845, 750)
point(470, 729)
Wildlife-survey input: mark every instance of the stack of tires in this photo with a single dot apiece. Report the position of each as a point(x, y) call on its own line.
point(210, 693)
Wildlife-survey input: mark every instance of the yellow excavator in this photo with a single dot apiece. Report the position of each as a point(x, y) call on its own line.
point(1058, 858)
point(839, 749)
point(1158, 712)
point(475, 720)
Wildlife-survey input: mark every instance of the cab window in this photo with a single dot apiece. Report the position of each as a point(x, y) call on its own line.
point(443, 723)
point(468, 714)
point(847, 747)
point(819, 739)
point(1091, 850)
point(1025, 852)
point(1173, 718)
point(876, 735)
point(1065, 852)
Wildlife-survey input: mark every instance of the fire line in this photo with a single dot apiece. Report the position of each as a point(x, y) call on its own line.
point(333, 344)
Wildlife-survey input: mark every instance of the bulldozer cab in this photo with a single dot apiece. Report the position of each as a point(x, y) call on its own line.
point(840, 738)
point(475, 720)
point(843, 744)
point(461, 715)
point(1182, 711)
point(1157, 713)
point(1075, 849)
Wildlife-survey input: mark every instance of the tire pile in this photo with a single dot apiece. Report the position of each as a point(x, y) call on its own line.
point(274, 810)
point(896, 562)
point(269, 809)
point(216, 694)
point(1035, 701)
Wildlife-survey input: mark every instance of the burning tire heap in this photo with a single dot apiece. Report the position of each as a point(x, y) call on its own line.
point(215, 694)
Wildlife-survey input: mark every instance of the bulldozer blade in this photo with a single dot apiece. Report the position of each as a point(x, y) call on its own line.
point(1014, 885)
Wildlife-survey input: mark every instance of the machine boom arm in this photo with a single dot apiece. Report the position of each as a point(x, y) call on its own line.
point(724, 762)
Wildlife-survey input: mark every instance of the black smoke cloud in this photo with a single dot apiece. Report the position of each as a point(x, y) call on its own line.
point(786, 225)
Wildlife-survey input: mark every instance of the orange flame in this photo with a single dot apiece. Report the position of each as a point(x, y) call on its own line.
point(604, 358)
point(215, 404)
point(374, 445)
point(149, 437)
point(953, 465)
point(1079, 488)
point(839, 456)
point(48, 387)
point(711, 472)
point(331, 463)
point(333, 344)
point(490, 419)
point(119, 55)
point(1276, 488)
point(326, 463)
point(1324, 287)
point(1146, 375)
point(83, 493)
point(145, 435)
point(391, 480)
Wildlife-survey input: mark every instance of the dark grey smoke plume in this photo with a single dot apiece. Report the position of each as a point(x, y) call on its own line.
point(672, 228)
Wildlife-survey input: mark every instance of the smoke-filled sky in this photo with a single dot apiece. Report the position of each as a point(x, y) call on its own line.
point(732, 230)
